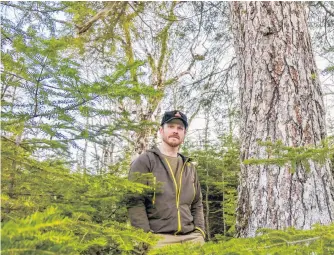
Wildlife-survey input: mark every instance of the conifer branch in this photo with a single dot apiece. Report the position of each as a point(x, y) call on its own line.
point(20, 7)
point(110, 7)
point(326, 9)
point(303, 241)
point(289, 243)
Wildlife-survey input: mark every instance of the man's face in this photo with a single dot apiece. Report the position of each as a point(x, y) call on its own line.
point(173, 133)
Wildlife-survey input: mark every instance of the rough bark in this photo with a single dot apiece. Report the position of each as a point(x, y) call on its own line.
point(281, 99)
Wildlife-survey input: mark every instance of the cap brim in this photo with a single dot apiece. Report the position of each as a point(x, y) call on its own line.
point(173, 118)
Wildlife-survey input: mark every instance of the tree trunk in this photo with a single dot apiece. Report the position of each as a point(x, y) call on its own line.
point(207, 192)
point(281, 99)
point(145, 138)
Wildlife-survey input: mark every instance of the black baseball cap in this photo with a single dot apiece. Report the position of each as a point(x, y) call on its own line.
point(168, 116)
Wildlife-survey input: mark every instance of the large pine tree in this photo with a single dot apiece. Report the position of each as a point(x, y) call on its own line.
point(281, 100)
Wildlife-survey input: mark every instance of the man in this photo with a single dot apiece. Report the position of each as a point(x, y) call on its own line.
point(176, 211)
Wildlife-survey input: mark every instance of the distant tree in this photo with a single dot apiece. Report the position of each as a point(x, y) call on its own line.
point(321, 23)
point(180, 43)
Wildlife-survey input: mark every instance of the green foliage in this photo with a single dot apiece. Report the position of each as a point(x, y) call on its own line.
point(45, 95)
point(329, 69)
point(218, 173)
point(48, 208)
point(50, 232)
point(279, 154)
point(319, 240)
point(40, 233)
point(163, 37)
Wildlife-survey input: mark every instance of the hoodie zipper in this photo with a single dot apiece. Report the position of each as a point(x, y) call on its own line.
point(154, 183)
point(178, 191)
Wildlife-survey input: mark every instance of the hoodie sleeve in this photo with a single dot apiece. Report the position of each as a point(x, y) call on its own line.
point(136, 204)
point(197, 207)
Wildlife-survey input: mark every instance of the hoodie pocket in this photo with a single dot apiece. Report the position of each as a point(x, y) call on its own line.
point(186, 217)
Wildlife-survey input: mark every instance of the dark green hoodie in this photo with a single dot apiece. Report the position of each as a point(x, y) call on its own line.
point(165, 210)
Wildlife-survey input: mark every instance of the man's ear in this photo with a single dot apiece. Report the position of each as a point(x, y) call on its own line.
point(160, 129)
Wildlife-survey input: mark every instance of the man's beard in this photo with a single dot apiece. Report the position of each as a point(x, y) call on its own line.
point(172, 143)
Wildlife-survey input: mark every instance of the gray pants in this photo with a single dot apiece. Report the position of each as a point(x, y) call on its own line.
point(194, 237)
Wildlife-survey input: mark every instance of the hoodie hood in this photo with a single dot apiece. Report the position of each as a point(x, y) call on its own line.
point(156, 151)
